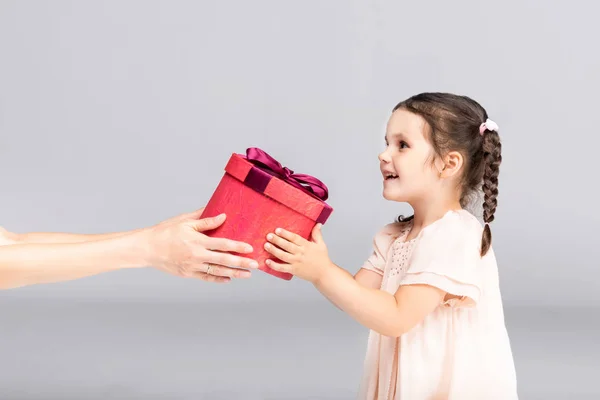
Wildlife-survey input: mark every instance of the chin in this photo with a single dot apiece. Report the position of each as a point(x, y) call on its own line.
point(394, 195)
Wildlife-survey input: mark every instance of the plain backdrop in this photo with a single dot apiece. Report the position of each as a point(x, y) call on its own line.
point(115, 115)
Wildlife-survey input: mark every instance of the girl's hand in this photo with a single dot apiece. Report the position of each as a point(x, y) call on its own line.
point(305, 259)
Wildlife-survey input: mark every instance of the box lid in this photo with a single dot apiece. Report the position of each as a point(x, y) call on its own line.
point(266, 182)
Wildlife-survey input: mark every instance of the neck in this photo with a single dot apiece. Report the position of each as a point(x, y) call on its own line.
point(429, 211)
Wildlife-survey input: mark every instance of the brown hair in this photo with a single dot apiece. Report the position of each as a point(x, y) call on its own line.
point(453, 125)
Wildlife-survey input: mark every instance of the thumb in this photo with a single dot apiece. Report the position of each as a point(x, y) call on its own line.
point(316, 234)
point(206, 224)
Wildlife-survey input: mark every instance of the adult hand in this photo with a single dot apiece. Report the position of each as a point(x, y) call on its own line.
point(179, 247)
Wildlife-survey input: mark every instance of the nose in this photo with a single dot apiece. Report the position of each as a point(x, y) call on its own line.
point(384, 156)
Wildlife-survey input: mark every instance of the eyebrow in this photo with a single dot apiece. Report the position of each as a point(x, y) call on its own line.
point(396, 135)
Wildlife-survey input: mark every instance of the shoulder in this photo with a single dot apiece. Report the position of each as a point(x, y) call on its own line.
point(382, 243)
point(393, 231)
point(455, 236)
point(451, 247)
point(455, 226)
point(389, 233)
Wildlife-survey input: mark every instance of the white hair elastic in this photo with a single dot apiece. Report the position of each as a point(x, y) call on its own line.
point(489, 125)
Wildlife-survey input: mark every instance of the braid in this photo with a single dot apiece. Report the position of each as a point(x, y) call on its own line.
point(492, 157)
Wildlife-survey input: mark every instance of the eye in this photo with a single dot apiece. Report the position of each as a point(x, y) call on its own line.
point(403, 144)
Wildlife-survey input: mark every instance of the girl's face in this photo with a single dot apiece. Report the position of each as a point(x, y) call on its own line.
point(408, 173)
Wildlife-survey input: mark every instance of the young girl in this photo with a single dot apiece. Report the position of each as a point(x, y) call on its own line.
point(429, 292)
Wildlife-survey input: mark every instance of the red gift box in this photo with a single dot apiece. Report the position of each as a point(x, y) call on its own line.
point(259, 195)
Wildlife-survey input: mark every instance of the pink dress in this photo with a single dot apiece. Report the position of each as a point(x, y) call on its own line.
point(461, 351)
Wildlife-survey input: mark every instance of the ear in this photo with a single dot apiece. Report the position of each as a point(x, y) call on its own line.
point(453, 162)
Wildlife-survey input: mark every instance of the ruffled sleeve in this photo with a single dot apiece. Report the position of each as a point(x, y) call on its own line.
point(381, 245)
point(447, 256)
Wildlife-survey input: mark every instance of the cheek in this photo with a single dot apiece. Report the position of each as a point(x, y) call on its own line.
point(430, 173)
point(401, 164)
point(409, 166)
point(420, 174)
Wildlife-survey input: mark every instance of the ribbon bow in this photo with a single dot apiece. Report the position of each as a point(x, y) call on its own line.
point(304, 182)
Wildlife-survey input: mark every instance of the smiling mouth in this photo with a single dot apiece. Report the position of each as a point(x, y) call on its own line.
point(390, 177)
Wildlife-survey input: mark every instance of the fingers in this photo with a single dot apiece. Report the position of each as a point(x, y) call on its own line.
point(223, 271)
point(218, 258)
point(227, 245)
point(206, 224)
point(277, 252)
point(209, 278)
point(291, 237)
point(194, 215)
point(279, 267)
point(283, 243)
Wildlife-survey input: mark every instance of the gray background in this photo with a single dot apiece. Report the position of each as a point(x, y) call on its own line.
point(117, 114)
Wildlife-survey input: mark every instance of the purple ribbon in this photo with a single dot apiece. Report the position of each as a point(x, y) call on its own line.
point(304, 182)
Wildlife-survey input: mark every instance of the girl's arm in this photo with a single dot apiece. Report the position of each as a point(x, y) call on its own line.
point(366, 278)
point(387, 314)
point(369, 279)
